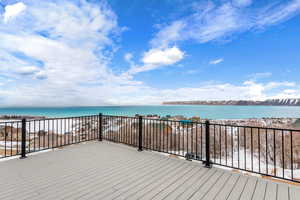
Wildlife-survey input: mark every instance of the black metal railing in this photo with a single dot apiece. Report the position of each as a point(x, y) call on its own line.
point(27, 136)
point(267, 151)
point(271, 152)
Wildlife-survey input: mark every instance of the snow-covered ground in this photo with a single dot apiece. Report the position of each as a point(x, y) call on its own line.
point(239, 160)
point(9, 144)
point(58, 126)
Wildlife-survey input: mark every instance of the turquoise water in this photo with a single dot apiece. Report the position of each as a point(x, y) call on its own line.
point(210, 112)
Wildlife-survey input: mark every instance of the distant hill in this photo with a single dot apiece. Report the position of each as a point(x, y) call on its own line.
point(269, 102)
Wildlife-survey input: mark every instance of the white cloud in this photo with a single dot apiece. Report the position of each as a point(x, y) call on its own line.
point(216, 61)
point(166, 56)
point(242, 3)
point(255, 90)
point(209, 91)
point(128, 57)
point(273, 84)
point(275, 13)
point(169, 33)
point(156, 58)
point(12, 11)
point(41, 75)
point(192, 71)
point(27, 70)
point(210, 21)
point(288, 93)
point(260, 75)
point(73, 45)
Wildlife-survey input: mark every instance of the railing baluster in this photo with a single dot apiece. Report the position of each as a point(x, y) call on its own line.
point(267, 152)
point(226, 153)
point(238, 128)
point(187, 138)
point(258, 135)
point(192, 143)
point(274, 153)
point(160, 136)
point(11, 137)
point(17, 137)
point(34, 135)
point(220, 139)
point(251, 132)
point(214, 143)
point(48, 133)
point(201, 141)
point(231, 146)
point(245, 147)
point(282, 148)
point(292, 159)
point(52, 134)
point(196, 138)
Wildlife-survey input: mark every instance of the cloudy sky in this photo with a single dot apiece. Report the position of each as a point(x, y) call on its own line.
point(93, 52)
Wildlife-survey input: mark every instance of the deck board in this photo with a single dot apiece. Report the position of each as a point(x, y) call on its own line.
point(195, 187)
point(180, 189)
point(249, 189)
point(214, 191)
point(166, 181)
point(294, 193)
point(143, 183)
point(132, 183)
point(208, 185)
point(228, 187)
point(282, 192)
point(238, 189)
point(260, 190)
point(271, 191)
point(105, 170)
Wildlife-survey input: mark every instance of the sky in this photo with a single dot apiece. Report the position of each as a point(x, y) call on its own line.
point(140, 52)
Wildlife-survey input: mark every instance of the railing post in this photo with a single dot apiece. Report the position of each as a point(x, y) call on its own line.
point(207, 144)
point(140, 133)
point(23, 142)
point(100, 126)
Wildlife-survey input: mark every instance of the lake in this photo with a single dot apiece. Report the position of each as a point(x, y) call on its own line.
point(204, 111)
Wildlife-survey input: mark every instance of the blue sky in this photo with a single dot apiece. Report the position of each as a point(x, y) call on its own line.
point(80, 52)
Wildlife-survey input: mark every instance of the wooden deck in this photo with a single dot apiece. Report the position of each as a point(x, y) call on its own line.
point(103, 170)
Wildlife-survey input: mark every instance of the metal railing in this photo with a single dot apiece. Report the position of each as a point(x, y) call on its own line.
point(27, 136)
point(271, 152)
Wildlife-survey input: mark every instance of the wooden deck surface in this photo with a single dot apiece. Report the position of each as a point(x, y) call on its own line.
point(104, 170)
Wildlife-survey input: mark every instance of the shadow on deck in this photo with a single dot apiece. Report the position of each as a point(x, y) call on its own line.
point(104, 170)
